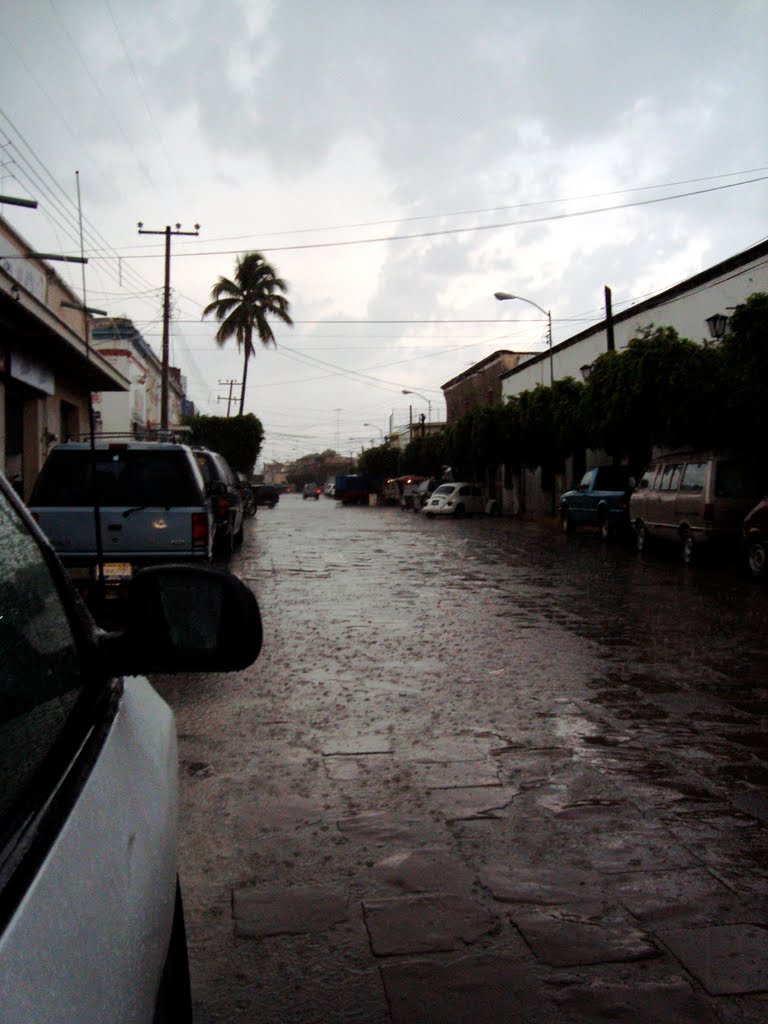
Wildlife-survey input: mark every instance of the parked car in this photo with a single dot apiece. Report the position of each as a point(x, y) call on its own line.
point(455, 499)
point(423, 494)
point(311, 491)
point(226, 500)
point(246, 493)
point(601, 499)
point(694, 500)
point(152, 509)
point(755, 535)
point(91, 915)
point(266, 494)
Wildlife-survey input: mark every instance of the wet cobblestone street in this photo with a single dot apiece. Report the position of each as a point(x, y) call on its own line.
point(482, 772)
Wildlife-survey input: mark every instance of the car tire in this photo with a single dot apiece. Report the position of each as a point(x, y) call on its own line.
point(756, 559)
point(459, 510)
point(173, 1004)
point(687, 546)
point(566, 523)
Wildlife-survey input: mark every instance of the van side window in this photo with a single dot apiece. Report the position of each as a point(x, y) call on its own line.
point(666, 481)
point(648, 479)
point(693, 478)
point(677, 472)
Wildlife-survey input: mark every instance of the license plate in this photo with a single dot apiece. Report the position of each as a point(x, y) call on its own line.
point(116, 572)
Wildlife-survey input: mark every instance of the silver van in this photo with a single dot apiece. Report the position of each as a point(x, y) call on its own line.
point(693, 499)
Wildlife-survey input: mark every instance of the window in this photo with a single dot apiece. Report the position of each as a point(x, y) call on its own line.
point(693, 478)
point(670, 477)
point(123, 476)
point(648, 479)
point(41, 675)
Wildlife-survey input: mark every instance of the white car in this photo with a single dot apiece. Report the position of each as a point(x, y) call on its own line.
point(456, 499)
point(91, 920)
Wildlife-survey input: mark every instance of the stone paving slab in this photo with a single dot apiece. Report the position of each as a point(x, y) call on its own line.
point(380, 827)
point(675, 897)
point(473, 802)
point(726, 959)
point(346, 768)
point(371, 743)
point(258, 914)
point(472, 990)
point(425, 923)
point(540, 885)
point(666, 1002)
point(581, 934)
point(458, 774)
point(427, 870)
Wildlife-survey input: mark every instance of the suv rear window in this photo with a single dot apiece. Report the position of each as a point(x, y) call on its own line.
point(124, 477)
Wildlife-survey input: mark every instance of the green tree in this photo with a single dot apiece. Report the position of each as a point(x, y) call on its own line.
point(425, 456)
point(237, 438)
point(744, 354)
point(657, 391)
point(381, 462)
point(245, 304)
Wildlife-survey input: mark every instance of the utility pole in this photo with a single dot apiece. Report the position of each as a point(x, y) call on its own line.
point(229, 399)
point(166, 310)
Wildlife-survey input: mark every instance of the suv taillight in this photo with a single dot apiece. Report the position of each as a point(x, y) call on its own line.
point(199, 530)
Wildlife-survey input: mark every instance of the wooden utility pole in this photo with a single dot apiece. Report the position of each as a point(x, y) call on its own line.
point(166, 311)
point(609, 319)
point(229, 399)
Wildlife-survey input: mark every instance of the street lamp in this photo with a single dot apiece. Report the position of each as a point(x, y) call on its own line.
point(381, 432)
point(424, 397)
point(501, 296)
point(717, 324)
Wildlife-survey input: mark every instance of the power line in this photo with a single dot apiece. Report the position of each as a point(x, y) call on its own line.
point(468, 230)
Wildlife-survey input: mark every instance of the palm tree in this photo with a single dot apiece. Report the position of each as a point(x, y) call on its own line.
point(246, 303)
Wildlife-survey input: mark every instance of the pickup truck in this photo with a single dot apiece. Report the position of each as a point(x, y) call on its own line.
point(601, 499)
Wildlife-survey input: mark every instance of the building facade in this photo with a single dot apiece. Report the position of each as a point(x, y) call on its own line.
point(47, 366)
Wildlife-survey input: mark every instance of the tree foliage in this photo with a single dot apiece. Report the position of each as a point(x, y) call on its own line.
point(661, 390)
point(381, 462)
point(237, 438)
point(245, 303)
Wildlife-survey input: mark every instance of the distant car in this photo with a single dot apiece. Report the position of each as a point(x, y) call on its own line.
point(223, 489)
point(755, 534)
point(311, 491)
point(92, 923)
point(266, 494)
point(455, 499)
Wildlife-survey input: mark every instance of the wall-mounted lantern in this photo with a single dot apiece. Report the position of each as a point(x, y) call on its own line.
point(716, 325)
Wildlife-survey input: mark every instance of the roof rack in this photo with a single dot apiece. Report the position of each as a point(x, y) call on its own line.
point(172, 434)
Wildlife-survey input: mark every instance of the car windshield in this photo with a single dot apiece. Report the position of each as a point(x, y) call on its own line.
point(445, 489)
point(124, 477)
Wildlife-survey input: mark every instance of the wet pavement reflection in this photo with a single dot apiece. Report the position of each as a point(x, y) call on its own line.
point(481, 772)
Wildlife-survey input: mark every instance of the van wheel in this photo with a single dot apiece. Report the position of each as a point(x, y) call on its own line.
point(756, 559)
point(641, 535)
point(173, 1004)
point(566, 523)
point(687, 546)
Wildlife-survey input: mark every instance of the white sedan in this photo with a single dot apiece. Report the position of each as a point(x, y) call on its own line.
point(455, 499)
point(91, 920)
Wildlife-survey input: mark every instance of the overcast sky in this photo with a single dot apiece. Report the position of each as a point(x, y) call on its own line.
point(442, 141)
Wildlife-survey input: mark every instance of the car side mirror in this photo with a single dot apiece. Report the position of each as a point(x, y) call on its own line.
point(215, 487)
point(183, 618)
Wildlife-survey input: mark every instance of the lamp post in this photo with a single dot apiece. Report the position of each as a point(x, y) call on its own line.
point(381, 432)
point(502, 296)
point(424, 397)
